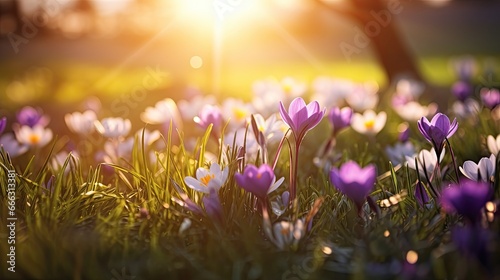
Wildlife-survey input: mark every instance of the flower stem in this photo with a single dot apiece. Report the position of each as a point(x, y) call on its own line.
point(294, 166)
point(280, 146)
point(453, 159)
point(429, 180)
point(266, 220)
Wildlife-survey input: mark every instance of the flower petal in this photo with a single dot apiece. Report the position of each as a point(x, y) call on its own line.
point(195, 184)
point(276, 185)
point(286, 117)
point(295, 106)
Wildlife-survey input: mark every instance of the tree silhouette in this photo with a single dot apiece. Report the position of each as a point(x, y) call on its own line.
point(11, 9)
point(390, 48)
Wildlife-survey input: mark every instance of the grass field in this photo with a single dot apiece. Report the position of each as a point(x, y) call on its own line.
point(135, 217)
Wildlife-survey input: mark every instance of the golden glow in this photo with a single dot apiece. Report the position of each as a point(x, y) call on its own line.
point(387, 233)
point(333, 1)
point(411, 257)
point(202, 15)
point(438, 3)
point(293, 5)
point(106, 7)
point(196, 62)
point(491, 207)
point(490, 216)
point(327, 250)
point(194, 9)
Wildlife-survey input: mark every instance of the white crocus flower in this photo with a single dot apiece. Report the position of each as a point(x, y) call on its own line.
point(425, 156)
point(483, 170)
point(113, 127)
point(410, 88)
point(369, 122)
point(330, 92)
point(286, 234)
point(363, 97)
point(192, 107)
point(237, 112)
point(268, 94)
point(413, 111)
point(493, 144)
point(206, 179)
point(116, 150)
point(272, 128)
point(81, 123)
point(10, 144)
point(149, 136)
point(280, 205)
point(293, 88)
point(36, 136)
point(60, 158)
point(163, 112)
point(397, 154)
point(238, 139)
point(468, 109)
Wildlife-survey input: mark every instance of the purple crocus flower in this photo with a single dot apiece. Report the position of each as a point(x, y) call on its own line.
point(472, 242)
point(462, 90)
point(301, 117)
point(421, 194)
point(465, 67)
point(354, 181)
point(340, 118)
point(400, 100)
point(210, 115)
point(3, 124)
point(404, 132)
point(50, 183)
point(259, 181)
point(213, 206)
point(31, 117)
point(490, 97)
point(437, 130)
point(466, 198)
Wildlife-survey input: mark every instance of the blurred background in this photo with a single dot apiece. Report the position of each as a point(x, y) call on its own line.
point(73, 52)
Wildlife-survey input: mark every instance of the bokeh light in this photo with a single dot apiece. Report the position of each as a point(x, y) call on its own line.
point(196, 62)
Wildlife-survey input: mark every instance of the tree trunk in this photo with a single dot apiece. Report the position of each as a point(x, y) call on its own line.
point(390, 48)
point(12, 9)
point(377, 20)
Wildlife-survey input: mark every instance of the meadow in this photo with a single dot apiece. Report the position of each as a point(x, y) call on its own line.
point(328, 178)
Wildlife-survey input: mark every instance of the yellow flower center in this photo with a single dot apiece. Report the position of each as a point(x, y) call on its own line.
point(369, 124)
point(239, 113)
point(206, 179)
point(34, 139)
point(287, 88)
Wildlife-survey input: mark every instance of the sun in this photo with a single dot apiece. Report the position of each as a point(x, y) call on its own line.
point(195, 10)
point(227, 11)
